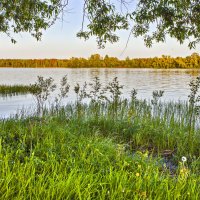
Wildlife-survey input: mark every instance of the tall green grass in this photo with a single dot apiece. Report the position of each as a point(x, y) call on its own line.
point(91, 151)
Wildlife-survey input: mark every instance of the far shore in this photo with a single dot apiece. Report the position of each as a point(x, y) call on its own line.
point(97, 61)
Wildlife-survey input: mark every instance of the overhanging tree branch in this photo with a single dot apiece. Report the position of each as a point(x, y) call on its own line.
point(152, 19)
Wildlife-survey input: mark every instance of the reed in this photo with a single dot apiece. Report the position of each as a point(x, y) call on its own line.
point(13, 90)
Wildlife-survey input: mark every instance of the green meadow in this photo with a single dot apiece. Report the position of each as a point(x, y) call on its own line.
point(105, 149)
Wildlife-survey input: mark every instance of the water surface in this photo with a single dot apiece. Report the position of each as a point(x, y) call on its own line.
point(173, 81)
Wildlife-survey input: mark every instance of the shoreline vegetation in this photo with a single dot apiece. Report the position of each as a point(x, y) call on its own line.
point(110, 148)
point(96, 61)
point(14, 90)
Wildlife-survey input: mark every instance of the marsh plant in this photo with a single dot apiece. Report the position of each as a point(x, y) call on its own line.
point(114, 89)
point(134, 95)
point(63, 91)
point(97, 93)
point(12, 90)
point(157, 94)
point(41, 91)
point(81, 92)
point(194, 107)
point(194, 97)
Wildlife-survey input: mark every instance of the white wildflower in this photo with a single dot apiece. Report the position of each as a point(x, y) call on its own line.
point(184, 159)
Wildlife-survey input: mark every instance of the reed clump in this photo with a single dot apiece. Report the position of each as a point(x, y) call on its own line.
point(14, 90)
point(109, 148)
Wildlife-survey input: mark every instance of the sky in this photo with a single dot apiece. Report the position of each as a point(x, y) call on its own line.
point(60, 42)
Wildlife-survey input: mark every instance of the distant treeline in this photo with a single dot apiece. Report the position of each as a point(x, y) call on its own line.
point(96, 61)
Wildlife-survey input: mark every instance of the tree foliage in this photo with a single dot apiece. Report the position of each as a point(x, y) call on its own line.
point(152, 19)
point(96, 61)
point(179, 19)
point(31, 16)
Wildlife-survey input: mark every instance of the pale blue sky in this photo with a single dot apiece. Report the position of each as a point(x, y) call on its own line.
point(60, 41)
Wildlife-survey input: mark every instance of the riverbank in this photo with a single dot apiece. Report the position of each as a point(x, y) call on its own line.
point(107, 148)
point(101, 151)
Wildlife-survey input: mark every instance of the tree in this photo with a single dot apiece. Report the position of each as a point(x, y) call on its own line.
point(31, 16)
point(152, 19)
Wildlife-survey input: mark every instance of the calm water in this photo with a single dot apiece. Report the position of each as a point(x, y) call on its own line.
point(174, 82)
